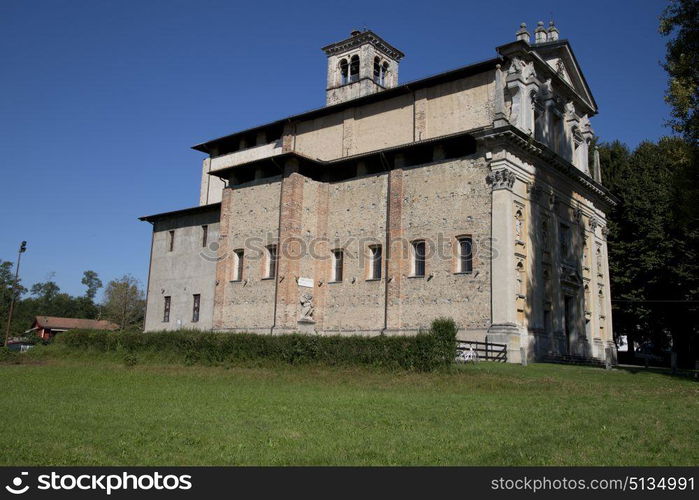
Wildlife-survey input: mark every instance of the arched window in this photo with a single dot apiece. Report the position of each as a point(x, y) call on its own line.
point(354, 68)
point(377, 70)
point(384, 74)
point(344, 72)
point(418, 265)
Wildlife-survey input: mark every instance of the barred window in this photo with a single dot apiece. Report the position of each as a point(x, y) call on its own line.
point(419, 258)
point(238, 264)
point(338, 261)
point(271, 261)
point(375, 255)
point(195, 307)
point(465, 254)
point(166, 310)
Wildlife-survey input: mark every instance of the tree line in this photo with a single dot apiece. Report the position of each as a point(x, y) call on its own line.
point(653, 240)
point(123, 302)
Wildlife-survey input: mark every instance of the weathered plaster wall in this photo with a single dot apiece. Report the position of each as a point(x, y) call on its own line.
point(440, 202)
point(356, 219)
point(182, 272)
point(253, 221)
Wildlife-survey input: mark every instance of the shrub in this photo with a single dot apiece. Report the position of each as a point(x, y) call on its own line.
point(425, 351)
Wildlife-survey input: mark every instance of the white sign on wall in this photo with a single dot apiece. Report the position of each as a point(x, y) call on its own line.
point(306, 282)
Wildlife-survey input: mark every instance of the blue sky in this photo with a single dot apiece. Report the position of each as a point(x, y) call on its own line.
point(101, 101)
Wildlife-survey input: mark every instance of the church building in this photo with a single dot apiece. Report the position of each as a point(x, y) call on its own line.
point(472, 194)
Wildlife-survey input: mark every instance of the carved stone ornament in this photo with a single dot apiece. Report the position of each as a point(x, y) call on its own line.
point(516, 66)
point(501, 179)
point(306, 306)
point(593, 223)
point(605, 232)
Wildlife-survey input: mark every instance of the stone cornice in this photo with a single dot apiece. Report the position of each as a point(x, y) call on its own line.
point(360, 39)
point(536, 149)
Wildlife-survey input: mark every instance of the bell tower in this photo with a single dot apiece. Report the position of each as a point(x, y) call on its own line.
point(360, 65)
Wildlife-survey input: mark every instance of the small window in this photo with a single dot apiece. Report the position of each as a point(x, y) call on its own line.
point(338, 261)
point(271, 261)
point(354, 69)
point(377, 70)
point(344, 72)
point(166, 310)
point(170, 241)
point(238, 264)
point(195, 307)
point(204, 235)
point(465, 255)
point(375, 262)
point(564, 240)
point(419, 258)
point(384, 74)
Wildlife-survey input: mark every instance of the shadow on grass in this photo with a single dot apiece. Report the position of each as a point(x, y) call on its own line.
point(679, 374)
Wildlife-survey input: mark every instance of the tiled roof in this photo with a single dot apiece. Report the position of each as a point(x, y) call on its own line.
point(53, 322)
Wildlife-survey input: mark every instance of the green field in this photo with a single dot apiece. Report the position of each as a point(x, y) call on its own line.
point(96, 411)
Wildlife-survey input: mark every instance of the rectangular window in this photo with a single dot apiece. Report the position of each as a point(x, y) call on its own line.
point(419, 258)
point(271, 261)
point(204, 235)
point(238, 263)
point(195, 307)
point(170, 241)
point(375, 262)
point(465, 254)
point(338, 260)
point(166, 310)
point(564, 239)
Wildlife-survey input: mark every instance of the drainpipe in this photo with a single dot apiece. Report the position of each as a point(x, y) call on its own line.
point(387, 252)
point(279, 236)
point(150, 264)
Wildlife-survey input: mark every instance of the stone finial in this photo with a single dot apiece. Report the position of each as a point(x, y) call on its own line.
point(355, 32)
point(540, 33)
point(553, 32)
point(523, 34)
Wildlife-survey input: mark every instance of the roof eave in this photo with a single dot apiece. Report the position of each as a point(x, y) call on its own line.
point(453, 74)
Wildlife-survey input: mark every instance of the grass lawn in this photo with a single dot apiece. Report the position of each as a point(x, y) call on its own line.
point(96, 411)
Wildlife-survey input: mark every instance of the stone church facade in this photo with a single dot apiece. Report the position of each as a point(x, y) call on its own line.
point(471, 194)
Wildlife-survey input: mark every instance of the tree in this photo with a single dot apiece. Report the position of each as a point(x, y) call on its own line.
point(653, 242)
point(124, 302)
point(47, 290)
point(679, 21)
point(92, 282)
point(7, 284)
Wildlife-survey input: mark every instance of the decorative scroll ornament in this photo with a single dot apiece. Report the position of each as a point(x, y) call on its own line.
point(501, 179)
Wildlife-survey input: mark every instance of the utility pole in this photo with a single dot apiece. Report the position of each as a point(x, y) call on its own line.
point(22, 249)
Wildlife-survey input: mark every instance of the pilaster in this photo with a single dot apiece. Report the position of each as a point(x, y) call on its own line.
point(395, 258)
point(223, 259)
point(289, 248)
point(503, 327)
